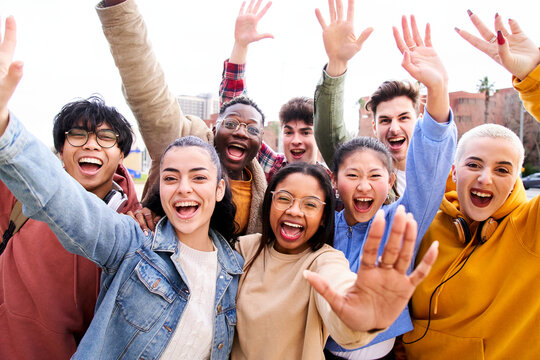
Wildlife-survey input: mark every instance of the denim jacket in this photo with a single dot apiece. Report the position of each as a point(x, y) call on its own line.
point(143, 290)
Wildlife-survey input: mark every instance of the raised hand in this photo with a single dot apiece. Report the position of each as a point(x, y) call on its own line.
point(514, 51)
point(382, 288)
point(340, 41)
point(419, 57)
point(10, 72)
point(245, 29)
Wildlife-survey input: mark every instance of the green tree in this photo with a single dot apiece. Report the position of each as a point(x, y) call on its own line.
point(484, 86)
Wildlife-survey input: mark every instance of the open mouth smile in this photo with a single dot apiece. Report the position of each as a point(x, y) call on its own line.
point(363, 204)
point(236, 152)
point(297, 153)
point(290, 231)
point(90, 165)
point(186, 209)
point(481, 198)
point(396, 143)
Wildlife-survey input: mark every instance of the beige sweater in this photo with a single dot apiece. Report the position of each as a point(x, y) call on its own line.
point(154, 106)
point(280, 316)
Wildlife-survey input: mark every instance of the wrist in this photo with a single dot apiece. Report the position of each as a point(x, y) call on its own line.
point(336, 68)
point(238, 54)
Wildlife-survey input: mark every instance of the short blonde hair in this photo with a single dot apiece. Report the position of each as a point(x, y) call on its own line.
point(493, 131)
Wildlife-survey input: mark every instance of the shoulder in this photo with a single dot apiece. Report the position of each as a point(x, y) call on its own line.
point(247, 245)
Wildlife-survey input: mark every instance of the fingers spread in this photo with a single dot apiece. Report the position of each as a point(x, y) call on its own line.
point(407, 247)
point(371, 246)
point(486, 33)
point(393, 244)
point(416, 35)
point(321, 286)
point(350, 11)
point(264, 10)
point(399, 40)
point(320, 18)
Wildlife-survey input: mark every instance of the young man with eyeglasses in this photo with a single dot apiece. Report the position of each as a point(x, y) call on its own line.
point(162, 121)
point(47, 294)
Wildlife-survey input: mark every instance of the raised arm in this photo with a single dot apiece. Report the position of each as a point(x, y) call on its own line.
point(154, 106)
point(513, 50)
point(382, 288)
point(35, 176)
point(422, 63)
point(245, 33)
point(340, 44)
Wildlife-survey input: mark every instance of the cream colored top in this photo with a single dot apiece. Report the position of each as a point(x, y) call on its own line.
point(280, 316)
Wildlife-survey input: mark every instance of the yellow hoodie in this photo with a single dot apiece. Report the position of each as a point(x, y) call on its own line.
point(491, 308)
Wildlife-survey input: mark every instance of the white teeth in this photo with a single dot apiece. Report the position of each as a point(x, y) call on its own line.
point(90, 161)
point(297, 151)
point(292, 225)
point(397, 139)
point(185, 204)
point(481, 194)
point(363, 199)
point(238, 146)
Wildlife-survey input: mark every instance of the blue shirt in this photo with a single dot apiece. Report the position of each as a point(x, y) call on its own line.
point(429, 159)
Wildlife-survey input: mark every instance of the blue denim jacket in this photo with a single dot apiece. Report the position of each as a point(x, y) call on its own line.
point(143, 291)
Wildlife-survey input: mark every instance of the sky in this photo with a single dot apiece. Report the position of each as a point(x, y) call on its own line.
point(66, 55)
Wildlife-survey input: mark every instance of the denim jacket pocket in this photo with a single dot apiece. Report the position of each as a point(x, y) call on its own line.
point(144, 296)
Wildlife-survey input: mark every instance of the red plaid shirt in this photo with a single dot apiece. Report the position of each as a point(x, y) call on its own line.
point(233, 85)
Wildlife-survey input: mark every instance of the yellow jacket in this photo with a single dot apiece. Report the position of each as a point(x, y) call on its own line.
point(491, 308)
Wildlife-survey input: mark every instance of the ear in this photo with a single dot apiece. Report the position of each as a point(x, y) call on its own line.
point(392, 179)
point(333, 177)
point(121, 159)
point(220, 191)
point(453, 171)
point(374, 124)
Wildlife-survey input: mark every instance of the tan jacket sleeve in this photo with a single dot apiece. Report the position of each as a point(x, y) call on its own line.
point(334, 268)
point(155, 108)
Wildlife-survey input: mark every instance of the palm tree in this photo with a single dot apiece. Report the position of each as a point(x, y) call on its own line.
point(484, 86)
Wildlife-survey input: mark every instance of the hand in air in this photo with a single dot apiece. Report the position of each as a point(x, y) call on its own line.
point(245, 30)
point(514, 51)
point(419, 57)
point(382, 288)
point(10, 71)
point(340, 41)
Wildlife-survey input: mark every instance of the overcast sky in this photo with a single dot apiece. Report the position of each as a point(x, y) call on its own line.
point(66, 55)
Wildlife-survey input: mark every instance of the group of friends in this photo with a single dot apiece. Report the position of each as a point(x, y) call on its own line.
point(237, 251)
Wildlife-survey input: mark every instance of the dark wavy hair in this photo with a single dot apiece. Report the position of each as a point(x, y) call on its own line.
point(298, 108)
point(391, 89)
point(325, 232)
point(91, 113)
point(222, 219)
point(241, 100)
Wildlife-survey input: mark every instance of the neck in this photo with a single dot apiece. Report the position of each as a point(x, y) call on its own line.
point(198, 240)
point(102, 191)
point(236, 175)
point(400, 165)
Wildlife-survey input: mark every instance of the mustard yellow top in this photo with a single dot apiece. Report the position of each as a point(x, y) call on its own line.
point(241, 195)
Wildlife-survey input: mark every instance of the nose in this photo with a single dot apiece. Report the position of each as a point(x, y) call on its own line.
point(91, 143)
point(485, 176)
point(394, 126)
point(242, 130)
point(295, 210)
point(363, 185)
point(296, 140)
point(184, 186)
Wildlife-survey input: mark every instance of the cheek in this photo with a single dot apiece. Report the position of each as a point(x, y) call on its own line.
point(274, 218)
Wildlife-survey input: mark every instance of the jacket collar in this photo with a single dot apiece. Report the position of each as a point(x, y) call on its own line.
point(165, 240)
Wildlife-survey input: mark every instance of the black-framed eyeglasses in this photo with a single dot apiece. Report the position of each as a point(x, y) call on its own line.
point(234, 125)
point(309, 205)
point(79, 137)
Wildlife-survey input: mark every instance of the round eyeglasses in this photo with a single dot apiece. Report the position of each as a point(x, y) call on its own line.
point(309, 205)
point(234, 125)
point(79, 137)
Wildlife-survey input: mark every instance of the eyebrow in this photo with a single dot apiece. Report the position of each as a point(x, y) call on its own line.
point(238, 115)
point(190, 170)
point(301, 129)
point(504, 162)
point(389, 117)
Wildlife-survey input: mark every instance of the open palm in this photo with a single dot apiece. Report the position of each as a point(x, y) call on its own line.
point(382, 288)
